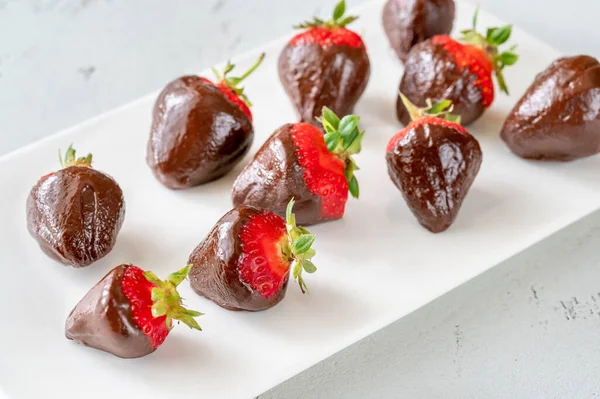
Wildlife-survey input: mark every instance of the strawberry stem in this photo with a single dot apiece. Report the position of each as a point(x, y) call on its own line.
point(441, 109)
point(343, 138)
point(167, 301)
point(233, 82)
point(494, 37)
point(300, 241)
point(338, 19)
point(70, 159)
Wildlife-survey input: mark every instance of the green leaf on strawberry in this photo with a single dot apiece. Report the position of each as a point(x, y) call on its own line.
point(300, 242)
point(233, 82)
point(338, 20)
point(343, 138)
point(495, 37)
point(167, 301)
point(441, 109)
point(70, 158)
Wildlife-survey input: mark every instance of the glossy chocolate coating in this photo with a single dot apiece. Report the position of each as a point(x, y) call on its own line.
point(197, 134)
point(75, 215)
point(314, 76)
point(431, 72)
point(103, 320)
point(558, 118)
point(434, 167)
point(215, 273)
point(274, 177)
point(409, 22)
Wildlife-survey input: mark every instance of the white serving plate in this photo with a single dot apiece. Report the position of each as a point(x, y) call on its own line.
point(375, 266)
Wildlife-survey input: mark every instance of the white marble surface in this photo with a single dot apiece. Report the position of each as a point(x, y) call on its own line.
point(530, 328)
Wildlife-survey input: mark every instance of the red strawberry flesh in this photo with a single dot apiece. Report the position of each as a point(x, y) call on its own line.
point(473, 58)
point(263, 264)
point(326, 36)
point(138, 291)
point(323, 171)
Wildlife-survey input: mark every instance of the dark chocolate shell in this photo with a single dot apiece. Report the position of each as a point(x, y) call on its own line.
point(75, 215)
point(409, 22)
point(197, 134)
point(433, 167)
point(314, 76)
point(558, 118)
point(431, 73)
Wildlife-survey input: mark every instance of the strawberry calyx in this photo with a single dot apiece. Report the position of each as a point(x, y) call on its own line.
point(297, 247)
point(338, 19)
point(441, 109)
point(167, 301)
point(232, 83)
point(495, 37)
point(70, 159)
point(343, 139)
point(434, 114)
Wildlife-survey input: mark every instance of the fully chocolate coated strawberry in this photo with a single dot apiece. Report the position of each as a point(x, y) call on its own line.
point(558, 118)
point(75, 213)
point(245, 261)
point(325, 65)
point(433, 162)
point(200, 129)
point(409, 22)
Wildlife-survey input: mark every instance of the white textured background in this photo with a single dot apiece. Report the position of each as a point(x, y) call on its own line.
point(530, 328)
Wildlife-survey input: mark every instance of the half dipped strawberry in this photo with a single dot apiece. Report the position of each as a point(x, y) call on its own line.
point(200, 129)
point(75, 213)
point(442, 68)
point(130, 312)
point(245, 261)
point(298, 162)
point(433, 162)
point(325, 66)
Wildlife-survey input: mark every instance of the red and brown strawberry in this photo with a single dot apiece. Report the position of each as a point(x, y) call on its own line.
point(460, 71)
point(558, 118)
point(130, 312)
point(325, 65)
point(75, 213)
point(200, 129)
point(410, 22)
point(245, 261)
point(433, 162)
point(299, 162)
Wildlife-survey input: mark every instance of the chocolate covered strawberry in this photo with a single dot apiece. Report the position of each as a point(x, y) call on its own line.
point(245, 261)
point(433, 162)
point(298, 162)
point(75, 213)
point(130, 312)
point(409, 22)
point(200, 129)
point(558, 118)
point(325, 65)
point(459, 71)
